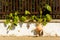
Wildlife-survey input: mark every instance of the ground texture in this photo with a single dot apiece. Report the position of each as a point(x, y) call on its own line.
point(28, 38)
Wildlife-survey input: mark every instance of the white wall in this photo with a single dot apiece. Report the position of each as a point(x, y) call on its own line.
point(51, 29)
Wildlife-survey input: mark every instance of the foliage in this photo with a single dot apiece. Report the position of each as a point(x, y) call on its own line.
point(13, 19)
point(47, 7)
point(44, 14)
point(32, 18)
point(24, 17)
point(43, 18)
point(27, 12)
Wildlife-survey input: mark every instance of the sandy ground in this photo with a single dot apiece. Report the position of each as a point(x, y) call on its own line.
point(28, 38)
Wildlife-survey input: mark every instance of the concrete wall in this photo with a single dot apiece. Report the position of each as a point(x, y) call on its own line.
point(51, 29)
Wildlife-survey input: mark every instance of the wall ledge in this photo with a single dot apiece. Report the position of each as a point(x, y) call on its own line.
point(55, 21)
point(52, 21)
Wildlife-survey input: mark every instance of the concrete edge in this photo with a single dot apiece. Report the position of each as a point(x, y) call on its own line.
point(52, 21)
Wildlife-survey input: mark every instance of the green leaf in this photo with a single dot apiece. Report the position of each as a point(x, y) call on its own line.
point(7, 21)
point(48, 7)
point(27, 12)
point(36, 18)
point(23, 18)
point(33, 17)
point(48, 17)
point(40, 20)
point(44, 21)
point(16, 19)
point(16, 13)
point(10, 15)
point(40, 11)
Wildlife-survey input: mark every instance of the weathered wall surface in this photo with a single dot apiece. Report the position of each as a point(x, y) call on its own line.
point(51, 29)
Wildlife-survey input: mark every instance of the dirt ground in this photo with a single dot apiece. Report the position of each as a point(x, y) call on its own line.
point(28, 38)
